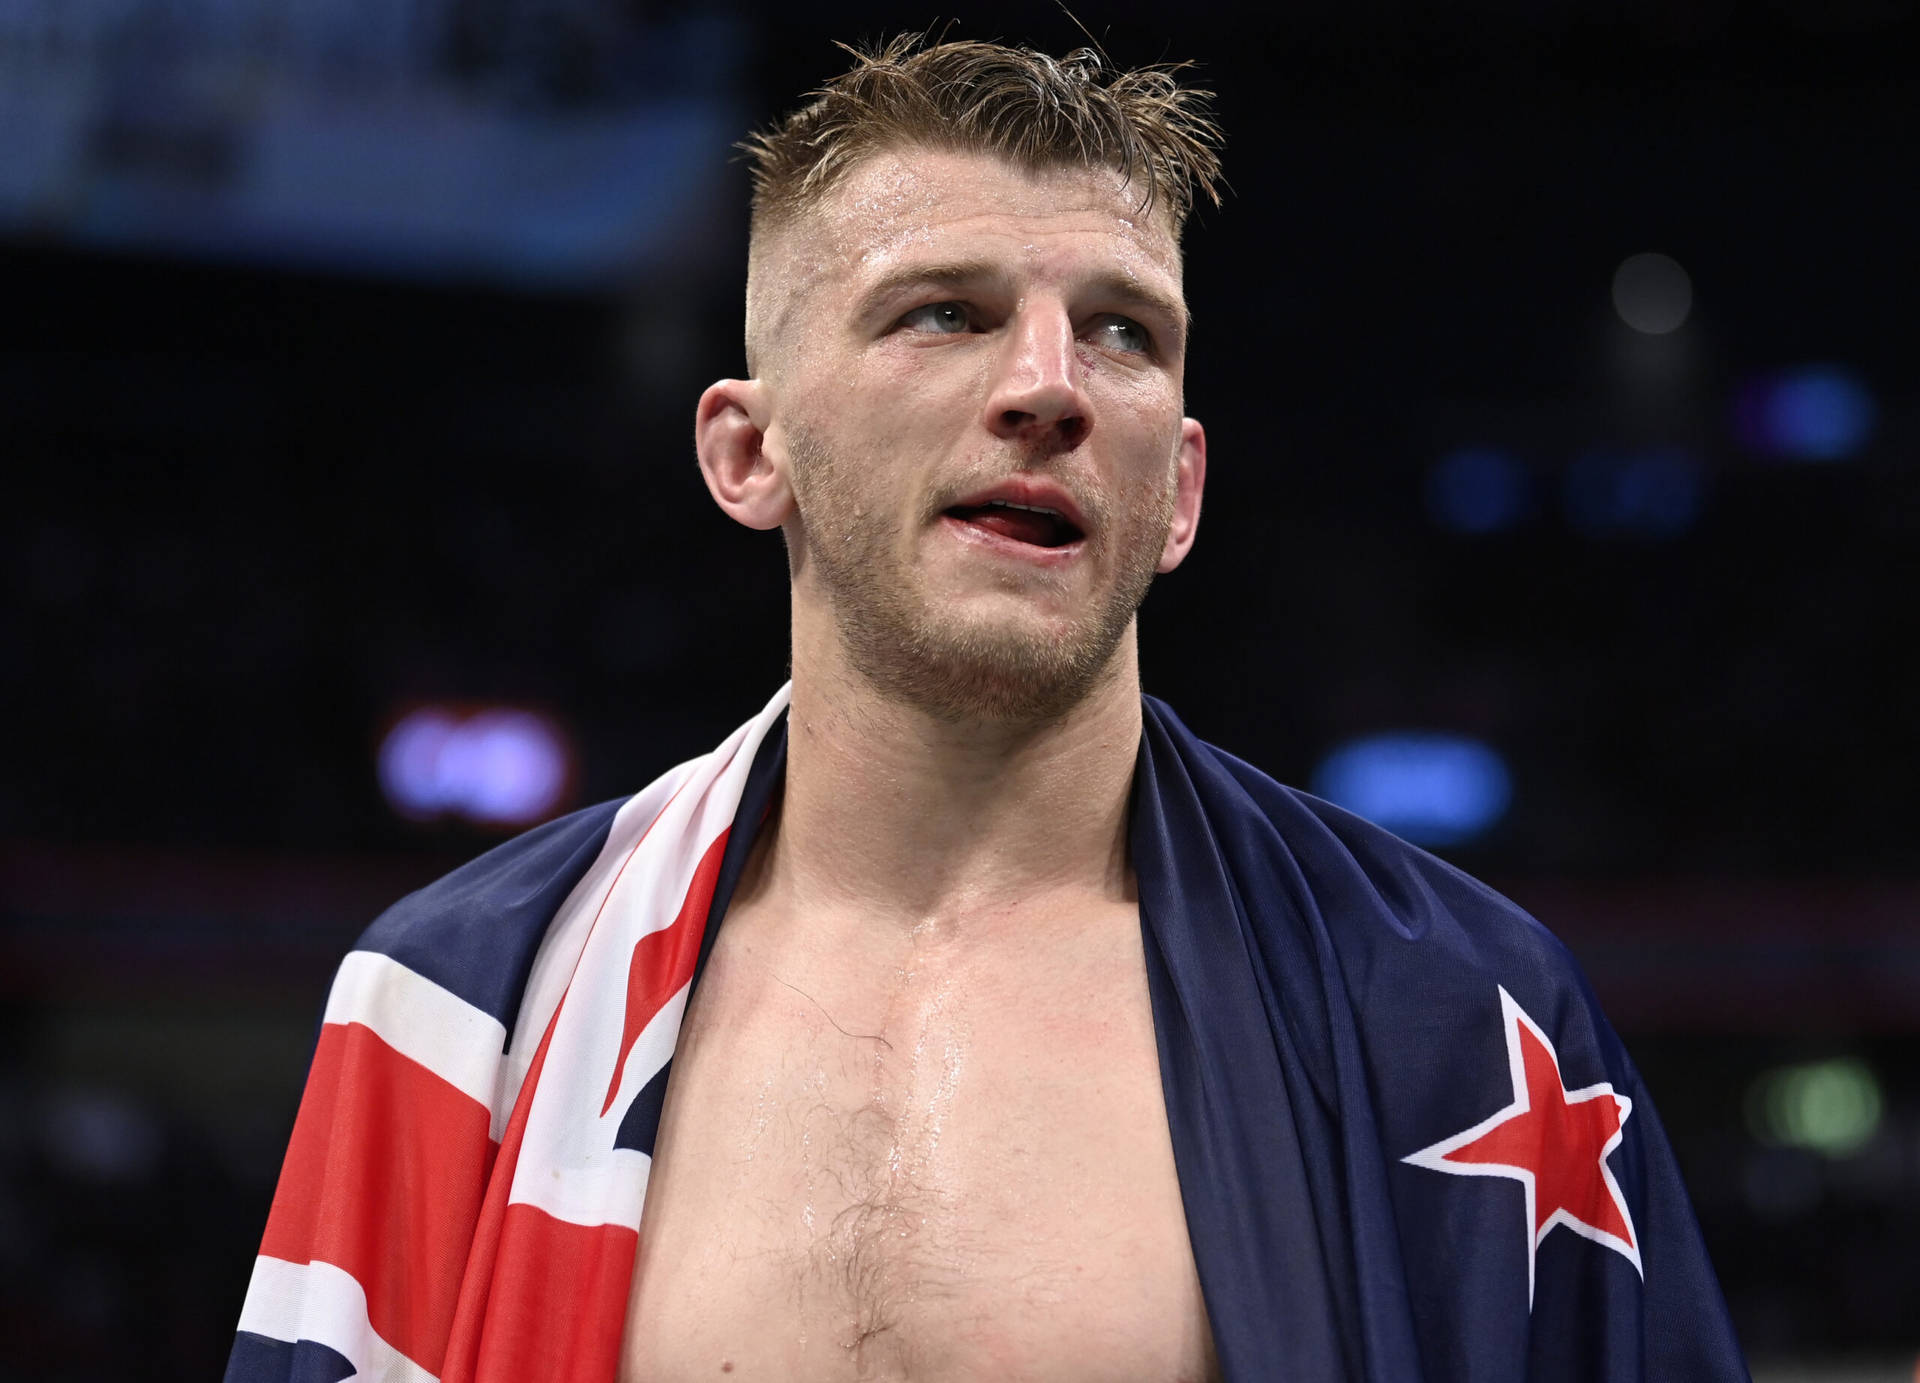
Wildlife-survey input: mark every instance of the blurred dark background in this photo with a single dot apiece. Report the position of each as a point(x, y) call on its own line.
point(1557, 363)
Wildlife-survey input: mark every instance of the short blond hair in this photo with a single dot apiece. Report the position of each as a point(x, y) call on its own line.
point(1033, 110)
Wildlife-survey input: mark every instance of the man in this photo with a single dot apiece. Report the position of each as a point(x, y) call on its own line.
point(1040, 1040)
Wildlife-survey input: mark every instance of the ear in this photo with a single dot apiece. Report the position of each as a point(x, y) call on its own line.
point(729, 435)
point(1190, 479)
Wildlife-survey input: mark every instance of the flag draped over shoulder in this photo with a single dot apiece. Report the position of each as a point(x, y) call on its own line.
point(1409, 1146)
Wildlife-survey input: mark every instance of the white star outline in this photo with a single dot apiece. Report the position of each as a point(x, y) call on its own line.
point(1434, 1157)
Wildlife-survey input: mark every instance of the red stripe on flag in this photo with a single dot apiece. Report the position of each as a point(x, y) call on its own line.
point(470, 1318)
point(663, 960)
point(544, 1299)
point(563, 1311)
point(384, 1178)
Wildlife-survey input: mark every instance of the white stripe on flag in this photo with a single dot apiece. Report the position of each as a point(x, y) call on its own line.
point(572, 1170)
point(559, 953)
point(417, 1018)
point(322, 1303)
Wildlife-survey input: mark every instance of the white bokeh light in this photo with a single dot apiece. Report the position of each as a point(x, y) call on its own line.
point(1652, 293)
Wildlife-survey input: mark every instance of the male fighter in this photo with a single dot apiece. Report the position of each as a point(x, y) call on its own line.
point(962, 1017)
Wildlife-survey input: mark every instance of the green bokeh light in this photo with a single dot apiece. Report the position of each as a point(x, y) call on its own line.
point(1832, 1107)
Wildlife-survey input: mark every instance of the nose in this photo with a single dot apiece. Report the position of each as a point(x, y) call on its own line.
point(1036, 397)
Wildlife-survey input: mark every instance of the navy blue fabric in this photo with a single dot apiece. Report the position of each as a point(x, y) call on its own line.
point(640, 1125)
point(475, 931)
point(766, 777)
point(1326, 1002)
point(262, 1359)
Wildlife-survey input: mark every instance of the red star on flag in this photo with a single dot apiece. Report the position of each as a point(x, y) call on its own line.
point(1553, 1141)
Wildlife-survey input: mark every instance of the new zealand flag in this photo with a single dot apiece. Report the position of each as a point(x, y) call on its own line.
point(1409, 1145)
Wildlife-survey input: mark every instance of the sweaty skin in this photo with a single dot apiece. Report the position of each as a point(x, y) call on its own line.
point(915, 1125)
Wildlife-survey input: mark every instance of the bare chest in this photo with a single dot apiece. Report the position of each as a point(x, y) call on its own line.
point(952, 1169)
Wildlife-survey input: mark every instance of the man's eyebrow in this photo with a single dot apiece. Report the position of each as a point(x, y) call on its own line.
point(959, 273)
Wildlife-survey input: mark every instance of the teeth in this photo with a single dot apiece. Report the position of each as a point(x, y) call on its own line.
point(1030, 508)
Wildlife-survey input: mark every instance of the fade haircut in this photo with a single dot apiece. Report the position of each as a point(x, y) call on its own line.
point(1036, 112)
point(1033, 110)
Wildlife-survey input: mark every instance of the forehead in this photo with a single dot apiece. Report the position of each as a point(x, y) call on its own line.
point(900, 205)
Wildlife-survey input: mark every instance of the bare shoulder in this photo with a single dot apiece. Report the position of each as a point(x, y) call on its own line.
point(944, 1163)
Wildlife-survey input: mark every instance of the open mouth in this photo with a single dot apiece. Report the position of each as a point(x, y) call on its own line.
point(1020, 522)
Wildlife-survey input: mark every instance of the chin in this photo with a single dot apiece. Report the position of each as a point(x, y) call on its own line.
point(969, 644)
point(1008, 670)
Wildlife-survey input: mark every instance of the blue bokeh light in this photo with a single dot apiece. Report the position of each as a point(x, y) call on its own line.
point(1477, 490)
point(1817, 413)
point(1655, 493)
point(1430, 787)
point(497, 766)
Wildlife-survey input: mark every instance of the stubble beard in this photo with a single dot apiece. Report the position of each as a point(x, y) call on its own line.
point(947, 666)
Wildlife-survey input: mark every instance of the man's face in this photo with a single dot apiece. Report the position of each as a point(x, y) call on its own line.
point(975, 382)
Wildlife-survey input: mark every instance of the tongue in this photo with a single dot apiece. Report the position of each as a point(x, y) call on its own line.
point(1021, 525)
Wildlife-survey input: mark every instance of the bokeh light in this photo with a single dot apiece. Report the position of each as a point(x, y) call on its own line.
point(1652, 293)
point(1655, 492)
point(1430, 787)
point(496, 766)
point(1815, 413)
point(1831, 1107)
point(1477, 490)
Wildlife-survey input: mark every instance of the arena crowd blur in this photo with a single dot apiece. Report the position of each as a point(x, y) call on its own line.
point(1563, 516)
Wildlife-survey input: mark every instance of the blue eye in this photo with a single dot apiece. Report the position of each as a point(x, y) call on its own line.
point(1121, 334)
point(941, 319)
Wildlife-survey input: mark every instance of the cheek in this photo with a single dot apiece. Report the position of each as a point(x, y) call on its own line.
point(1148, 487)
point(849, 475)
point(948, 376)
point(901, 425)
point(1152, 445)
point(883, 398)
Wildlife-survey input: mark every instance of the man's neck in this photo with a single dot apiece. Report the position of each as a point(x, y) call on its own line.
point(893, 816)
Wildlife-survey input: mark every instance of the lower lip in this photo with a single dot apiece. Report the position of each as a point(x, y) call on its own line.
point(1030, 553)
